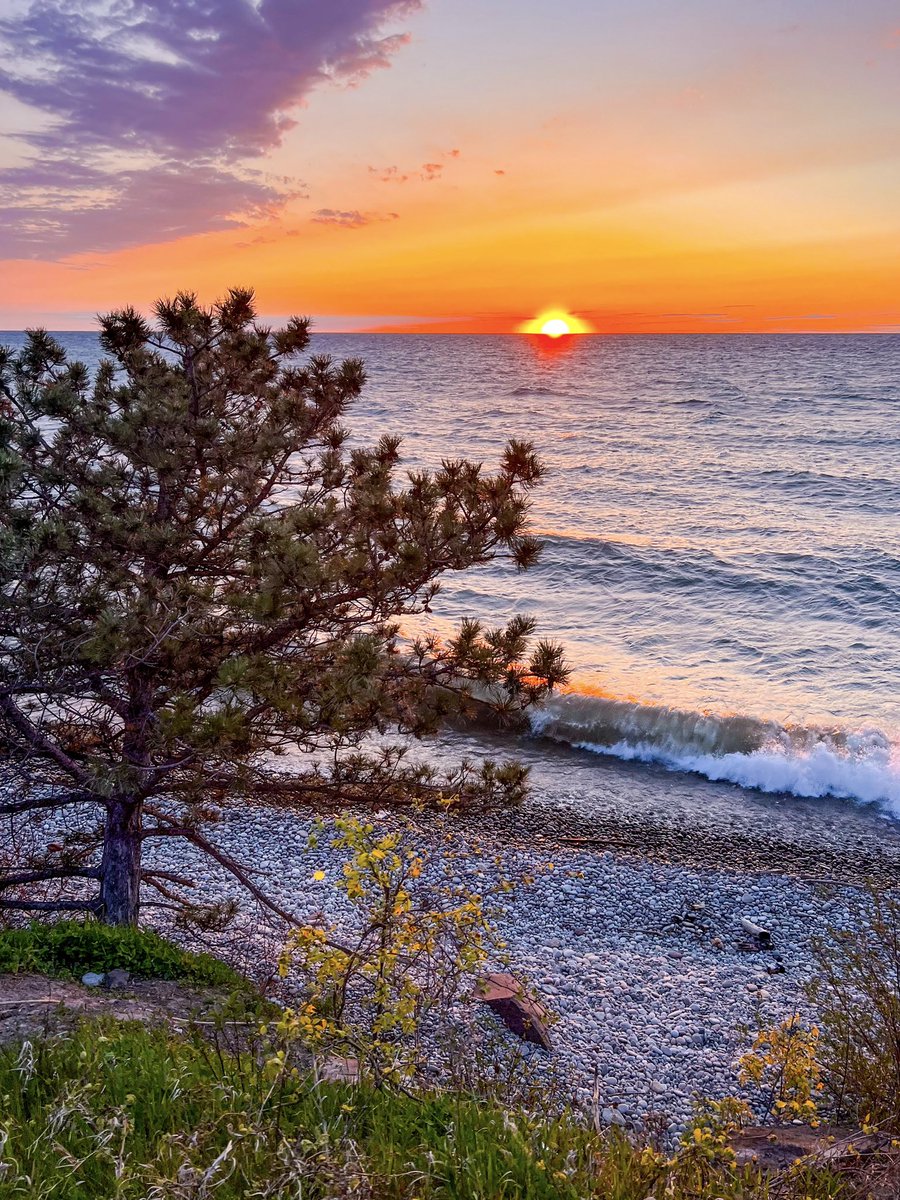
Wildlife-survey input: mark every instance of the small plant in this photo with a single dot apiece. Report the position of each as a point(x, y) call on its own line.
point(783, 1064)
point(418, 940)
point(705, 1150)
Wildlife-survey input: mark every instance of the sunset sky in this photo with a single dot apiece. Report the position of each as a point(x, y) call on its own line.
point(456, 165)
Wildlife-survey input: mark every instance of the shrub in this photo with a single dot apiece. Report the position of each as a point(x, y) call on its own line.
point(783, 1064)
point(70, 948)
point(857, 992)
point(418, 941)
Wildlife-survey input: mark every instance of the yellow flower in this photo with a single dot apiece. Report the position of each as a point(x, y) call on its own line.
point(318, 876)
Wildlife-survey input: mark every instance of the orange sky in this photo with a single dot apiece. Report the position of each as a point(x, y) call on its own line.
point(723, 171)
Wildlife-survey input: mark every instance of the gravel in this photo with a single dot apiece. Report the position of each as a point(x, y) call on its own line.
point(645, 963)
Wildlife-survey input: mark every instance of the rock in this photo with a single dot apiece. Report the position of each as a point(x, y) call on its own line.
point(92, 979)
point(117, 978)
point(340, 1070)
point(521, 1013)
point(612, 1116)
point(658, 1088)
point(776, 1148)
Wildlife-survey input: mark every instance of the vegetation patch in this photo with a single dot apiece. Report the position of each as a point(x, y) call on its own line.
point(136, 1112)
point(68, 949)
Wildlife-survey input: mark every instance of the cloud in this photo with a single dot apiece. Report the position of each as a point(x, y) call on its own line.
point(350, 218)
point(147, 99)
point(388, 174)
point(58, 206)
point(428, 171)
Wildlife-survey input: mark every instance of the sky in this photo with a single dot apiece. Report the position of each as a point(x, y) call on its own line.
point(456, 166)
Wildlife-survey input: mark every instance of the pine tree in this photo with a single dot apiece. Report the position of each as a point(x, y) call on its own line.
point(198, 573)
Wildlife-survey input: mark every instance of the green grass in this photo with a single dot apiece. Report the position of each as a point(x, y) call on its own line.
point(126, 1111)
point(70, 948)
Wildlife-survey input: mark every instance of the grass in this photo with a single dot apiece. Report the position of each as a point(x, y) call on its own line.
point(68, 949)
point(129, 1111)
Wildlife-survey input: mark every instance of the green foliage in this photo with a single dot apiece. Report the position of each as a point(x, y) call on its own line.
point(857, 992)
point(70, 948)
point(197, 573)
point(119, 1110)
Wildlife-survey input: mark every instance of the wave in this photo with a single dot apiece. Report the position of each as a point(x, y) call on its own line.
point(810, 762)
point(544, 391)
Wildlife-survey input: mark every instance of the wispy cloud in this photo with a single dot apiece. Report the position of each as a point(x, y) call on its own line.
point(427, 172)
point(157, 107)
point(350, 218)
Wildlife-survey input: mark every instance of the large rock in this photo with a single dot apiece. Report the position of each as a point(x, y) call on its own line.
point(522, 1013)
point(341, 1070)
point(117, 978)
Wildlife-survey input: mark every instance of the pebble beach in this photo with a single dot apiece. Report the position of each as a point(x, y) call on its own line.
point(644, 961)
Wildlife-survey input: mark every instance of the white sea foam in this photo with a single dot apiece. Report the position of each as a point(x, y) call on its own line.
point(863, 766)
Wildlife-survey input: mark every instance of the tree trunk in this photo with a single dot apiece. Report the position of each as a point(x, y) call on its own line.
point(120, 869)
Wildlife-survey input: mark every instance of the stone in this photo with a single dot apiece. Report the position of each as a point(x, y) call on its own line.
point(117, 978)
point(776, 1148)
point(521, 1013)
point(92, 979)
point(341, 1070)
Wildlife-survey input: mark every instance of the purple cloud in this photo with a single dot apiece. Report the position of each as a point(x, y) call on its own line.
point(388, 174)
point(156, 107)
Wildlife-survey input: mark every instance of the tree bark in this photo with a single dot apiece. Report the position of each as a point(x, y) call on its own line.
point(120, 868)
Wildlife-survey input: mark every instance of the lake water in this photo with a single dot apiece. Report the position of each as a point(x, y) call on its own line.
point(722, 550)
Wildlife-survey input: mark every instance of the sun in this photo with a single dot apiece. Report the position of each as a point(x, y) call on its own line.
point(555, 324)
point(556, 327)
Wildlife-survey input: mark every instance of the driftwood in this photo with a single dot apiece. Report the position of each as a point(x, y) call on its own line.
point(778, 1147)
point(762, 936)
point(521, 1013)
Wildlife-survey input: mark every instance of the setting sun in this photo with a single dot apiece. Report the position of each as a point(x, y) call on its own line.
point(555, 324)
point(555, 328)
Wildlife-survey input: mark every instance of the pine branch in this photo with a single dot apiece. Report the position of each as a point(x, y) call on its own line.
point(173, 829)
point(170, 877)
point(47, 873)
point(40, 743)
point(44, 802)
point(53, 905)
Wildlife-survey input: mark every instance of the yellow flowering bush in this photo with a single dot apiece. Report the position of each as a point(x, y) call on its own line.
point(705, 1151)
point(783, 1062)
point(418, 939)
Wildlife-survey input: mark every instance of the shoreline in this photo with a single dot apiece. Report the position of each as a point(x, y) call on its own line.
point(696, 845)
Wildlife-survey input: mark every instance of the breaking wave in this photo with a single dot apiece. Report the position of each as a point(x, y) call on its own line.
point(863, 766)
